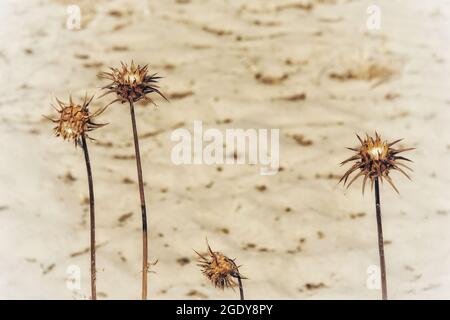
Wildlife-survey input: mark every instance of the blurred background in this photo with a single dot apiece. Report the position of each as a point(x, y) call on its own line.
point(318, 70)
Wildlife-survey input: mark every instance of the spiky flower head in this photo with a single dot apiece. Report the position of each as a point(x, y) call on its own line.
point(218, 268)
point(131, 83)
point(74, 119)
point(375, 158)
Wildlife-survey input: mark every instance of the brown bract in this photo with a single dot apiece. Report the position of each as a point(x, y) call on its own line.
point(375, 159)
point(75, 120)
point(131, 83)
point(218, 268)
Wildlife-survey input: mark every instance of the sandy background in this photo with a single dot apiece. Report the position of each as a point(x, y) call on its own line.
point(310, 68)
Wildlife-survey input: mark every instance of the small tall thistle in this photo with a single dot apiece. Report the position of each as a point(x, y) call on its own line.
point(132, 84)
point(73, 124)
point(221, 270)
point(374, 159)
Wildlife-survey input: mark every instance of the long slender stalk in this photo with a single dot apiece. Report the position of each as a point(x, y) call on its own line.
point(380, 241)
point(241, 288)
point(92, 218)
point(143, 208)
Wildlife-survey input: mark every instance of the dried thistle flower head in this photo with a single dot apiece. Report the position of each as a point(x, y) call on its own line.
point(374, 159)
point(131, 83)
point(75, 120)
point(218, 268)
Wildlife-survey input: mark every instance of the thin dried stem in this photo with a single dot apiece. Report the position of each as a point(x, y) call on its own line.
point(380, 241)
point(92, 217)
point(143, 207)
point(241, 287)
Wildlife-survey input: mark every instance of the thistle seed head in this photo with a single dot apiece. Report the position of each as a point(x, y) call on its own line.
point(131, 83)
point(74, 119)
point(375, 158)
point(218, 268)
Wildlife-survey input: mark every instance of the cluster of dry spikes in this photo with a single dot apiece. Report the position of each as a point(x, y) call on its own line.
point(373, 160)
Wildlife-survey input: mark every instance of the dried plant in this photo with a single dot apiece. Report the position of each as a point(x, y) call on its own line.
point(75, 121)
point(221, 270)
point(132, 84)
point(73, 124)
point(375, 159)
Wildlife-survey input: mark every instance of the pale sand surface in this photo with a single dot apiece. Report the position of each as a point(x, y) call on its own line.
point(303, 237)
